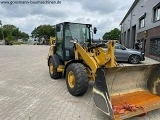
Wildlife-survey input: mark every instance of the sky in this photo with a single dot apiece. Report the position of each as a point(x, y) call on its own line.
point(103, 14)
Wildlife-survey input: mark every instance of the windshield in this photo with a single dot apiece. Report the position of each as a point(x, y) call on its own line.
point(77, 31)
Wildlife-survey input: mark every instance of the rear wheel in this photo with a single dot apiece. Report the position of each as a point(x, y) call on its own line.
point(134, 59)
point(53, 71)
point(76, 79)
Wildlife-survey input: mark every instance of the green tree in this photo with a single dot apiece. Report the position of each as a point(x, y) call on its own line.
point(23, 35)
point(11, 32)
point(1, 30)
point(112, 35)
point(8, 31)
point(10, 37)
point(43, 30)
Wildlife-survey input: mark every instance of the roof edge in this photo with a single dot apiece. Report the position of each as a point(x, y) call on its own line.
point(131, 8)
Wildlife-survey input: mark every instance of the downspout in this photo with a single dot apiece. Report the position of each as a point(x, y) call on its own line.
point(121, 37)
point(130, 39)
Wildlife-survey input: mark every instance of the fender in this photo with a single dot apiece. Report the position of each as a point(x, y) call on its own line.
point(71, 61)
point(55, 59)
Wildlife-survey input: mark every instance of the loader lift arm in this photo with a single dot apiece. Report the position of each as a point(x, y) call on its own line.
point(97, 59)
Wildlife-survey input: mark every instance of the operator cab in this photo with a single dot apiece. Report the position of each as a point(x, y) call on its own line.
point(69, 31)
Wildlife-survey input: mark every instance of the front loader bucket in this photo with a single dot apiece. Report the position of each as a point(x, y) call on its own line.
point(137, 85)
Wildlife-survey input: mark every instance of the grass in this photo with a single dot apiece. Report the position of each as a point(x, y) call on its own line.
point(18, 43)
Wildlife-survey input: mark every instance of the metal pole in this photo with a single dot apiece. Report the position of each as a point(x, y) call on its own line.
point(2, 29)
point(2, 32)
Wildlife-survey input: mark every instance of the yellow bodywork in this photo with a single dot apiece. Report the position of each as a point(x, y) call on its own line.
point(97, 57)
point(94, 58)
point(51, 51)
point(52, 40)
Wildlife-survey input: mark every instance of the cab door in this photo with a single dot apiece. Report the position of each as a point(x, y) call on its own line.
point(59, 40)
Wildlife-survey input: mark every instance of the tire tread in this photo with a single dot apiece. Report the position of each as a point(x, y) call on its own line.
point(81, 86)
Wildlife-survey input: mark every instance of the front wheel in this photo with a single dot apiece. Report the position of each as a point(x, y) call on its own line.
point(76, 79)
point(134, 59)
point(53, 71)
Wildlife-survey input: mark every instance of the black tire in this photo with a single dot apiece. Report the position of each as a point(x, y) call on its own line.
point(80, 85)
point(53, 71)
point(134, 59)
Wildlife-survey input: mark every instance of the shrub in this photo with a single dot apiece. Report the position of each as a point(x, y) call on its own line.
point(17, 43)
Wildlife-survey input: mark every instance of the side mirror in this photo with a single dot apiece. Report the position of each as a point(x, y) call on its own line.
point(74, 41)
point(58, 28)
point(123, 48)
point(94, 30)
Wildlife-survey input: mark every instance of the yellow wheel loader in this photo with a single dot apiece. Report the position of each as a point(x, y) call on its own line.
point(119, 91)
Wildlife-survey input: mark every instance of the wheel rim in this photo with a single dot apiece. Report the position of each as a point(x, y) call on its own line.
point(51, 67)
point(71, 79)
point(135, 59)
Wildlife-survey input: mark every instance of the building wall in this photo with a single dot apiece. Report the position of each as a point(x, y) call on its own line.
point(153, 32)
point(131, 24)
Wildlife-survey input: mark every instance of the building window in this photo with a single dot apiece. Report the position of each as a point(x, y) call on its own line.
point(156, 12)
point(142, 21)
point(154, 48)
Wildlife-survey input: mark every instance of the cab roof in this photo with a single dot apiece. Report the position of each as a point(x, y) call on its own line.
point(90, 25)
